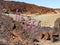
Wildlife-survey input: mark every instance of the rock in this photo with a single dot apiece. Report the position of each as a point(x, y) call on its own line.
point(12, 32)
point(55, 38)
point(35, 40)
point(7, 25)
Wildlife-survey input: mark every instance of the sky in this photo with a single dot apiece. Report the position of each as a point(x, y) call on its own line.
point(46, 3)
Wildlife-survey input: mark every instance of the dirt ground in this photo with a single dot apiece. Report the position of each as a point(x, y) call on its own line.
point(47, 42)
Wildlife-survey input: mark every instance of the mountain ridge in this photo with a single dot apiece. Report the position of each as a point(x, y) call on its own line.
point(23, 7)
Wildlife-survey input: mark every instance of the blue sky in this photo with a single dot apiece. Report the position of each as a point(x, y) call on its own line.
point(46, 3)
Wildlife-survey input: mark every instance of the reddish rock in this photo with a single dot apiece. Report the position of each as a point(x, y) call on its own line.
point(25, 7)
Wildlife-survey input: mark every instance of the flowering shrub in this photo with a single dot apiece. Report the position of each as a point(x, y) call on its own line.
point(29, 24)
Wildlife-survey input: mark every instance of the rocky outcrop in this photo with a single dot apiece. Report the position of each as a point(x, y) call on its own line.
point(11, 33)
point(57, 10)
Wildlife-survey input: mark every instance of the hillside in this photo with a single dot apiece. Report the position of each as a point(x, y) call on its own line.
point(11, 32)
point(57, 10)
point(22, 7)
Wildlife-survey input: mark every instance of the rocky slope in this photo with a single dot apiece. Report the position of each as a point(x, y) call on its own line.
point(11, 6)
point(57, 10)
point(11, 33)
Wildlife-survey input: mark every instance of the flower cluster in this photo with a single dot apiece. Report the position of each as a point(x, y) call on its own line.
point(31, 25)
point(28, 22)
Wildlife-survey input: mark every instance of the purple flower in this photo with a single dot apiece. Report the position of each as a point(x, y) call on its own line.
point(17, 17)
point(27, 27)
point(32, 22)
point(17, 11)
